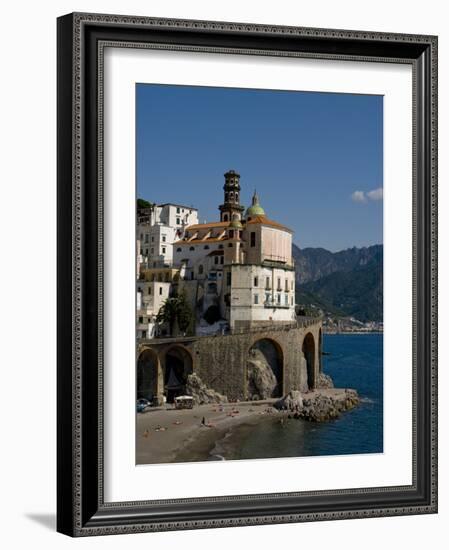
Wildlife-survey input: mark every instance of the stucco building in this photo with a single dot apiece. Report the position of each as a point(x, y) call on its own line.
point(154, 286)
point(158, 226)
point(242, 262)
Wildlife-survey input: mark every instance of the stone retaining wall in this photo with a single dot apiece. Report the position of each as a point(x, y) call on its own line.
point(221, 360)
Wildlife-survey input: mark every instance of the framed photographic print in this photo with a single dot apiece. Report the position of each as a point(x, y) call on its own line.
point(247, 292)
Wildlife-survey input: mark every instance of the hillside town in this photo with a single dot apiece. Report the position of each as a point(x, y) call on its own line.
point(350, 325)
point(333, 324)
point(235, 273)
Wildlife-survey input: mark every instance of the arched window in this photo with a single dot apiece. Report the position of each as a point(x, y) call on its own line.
point(192, 248)
point(220, 246)
point(225, 217)
point(200, 270)
point(206, 247)
point(179, 249)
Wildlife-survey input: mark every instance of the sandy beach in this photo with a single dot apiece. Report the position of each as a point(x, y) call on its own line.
point(170, 435)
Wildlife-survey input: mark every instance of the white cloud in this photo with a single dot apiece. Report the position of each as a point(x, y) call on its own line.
point(376, 194)
point(362, 198)
point(359, 196)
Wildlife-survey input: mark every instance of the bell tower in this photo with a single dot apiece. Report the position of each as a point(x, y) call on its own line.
point(231, 209)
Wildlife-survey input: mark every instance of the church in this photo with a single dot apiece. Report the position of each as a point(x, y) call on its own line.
point(241, 264)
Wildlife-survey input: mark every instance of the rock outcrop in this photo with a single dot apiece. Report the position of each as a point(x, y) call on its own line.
point(201, 393)
point(293, 402)
point(317, 407)
point(321, 408)
point(260, 378)
point(324, 381)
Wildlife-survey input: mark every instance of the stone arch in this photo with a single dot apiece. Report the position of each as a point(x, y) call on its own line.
point(308, 349)
point(148, 368)
point(265, 369)
point(178, 364)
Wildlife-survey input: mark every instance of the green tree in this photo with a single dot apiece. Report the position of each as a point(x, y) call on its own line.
point(142, 203)
point(167, 313)
point(176, 310)
point(212, 315)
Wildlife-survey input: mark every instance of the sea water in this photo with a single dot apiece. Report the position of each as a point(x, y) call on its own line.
point(353, 361)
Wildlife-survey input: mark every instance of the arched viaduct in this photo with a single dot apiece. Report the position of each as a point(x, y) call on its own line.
point(221, 360)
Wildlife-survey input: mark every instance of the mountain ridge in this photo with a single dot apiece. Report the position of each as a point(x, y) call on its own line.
point(344, 283)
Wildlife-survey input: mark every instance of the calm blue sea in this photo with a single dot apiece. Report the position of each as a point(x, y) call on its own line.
point(354, 361)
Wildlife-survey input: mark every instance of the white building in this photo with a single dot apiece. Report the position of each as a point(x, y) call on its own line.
point(153, 287)
point(158, 226)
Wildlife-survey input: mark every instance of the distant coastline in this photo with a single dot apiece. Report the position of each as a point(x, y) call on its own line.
point(355, 332)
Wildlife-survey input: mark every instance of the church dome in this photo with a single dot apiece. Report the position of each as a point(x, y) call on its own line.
point(255, 209)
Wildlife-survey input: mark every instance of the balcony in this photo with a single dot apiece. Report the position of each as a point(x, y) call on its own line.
point(275, 305)
point(281, 263)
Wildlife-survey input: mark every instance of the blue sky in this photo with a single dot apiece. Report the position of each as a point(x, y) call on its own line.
point(316, 159)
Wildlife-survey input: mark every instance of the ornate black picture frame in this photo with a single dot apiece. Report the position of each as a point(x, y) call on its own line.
point(81, 510)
